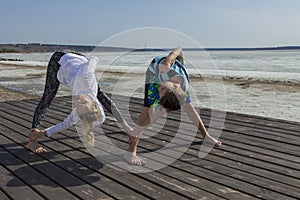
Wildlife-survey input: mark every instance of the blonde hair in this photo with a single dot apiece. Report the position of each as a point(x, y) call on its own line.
point(87, 132)
point(88, 120)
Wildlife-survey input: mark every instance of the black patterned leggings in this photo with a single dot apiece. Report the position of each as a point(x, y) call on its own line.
point(51, 88)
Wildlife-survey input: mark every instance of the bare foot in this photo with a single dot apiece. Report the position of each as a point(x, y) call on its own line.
point(210, 140)
point(35, 147)
point(133, 159)
point(36, 134)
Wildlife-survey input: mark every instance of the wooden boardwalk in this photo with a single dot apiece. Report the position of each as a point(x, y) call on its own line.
point(259, 159)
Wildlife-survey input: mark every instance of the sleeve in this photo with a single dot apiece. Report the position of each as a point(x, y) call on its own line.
point(67, 123)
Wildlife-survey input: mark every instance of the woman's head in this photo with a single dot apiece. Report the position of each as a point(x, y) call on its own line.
point(88, 112)
point(87, 109)
point(171, 96)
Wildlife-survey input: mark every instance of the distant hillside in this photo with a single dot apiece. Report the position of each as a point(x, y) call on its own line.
point(37, 47)
point(246, 49)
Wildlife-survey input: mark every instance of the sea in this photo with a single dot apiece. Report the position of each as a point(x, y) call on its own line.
point(257, 82)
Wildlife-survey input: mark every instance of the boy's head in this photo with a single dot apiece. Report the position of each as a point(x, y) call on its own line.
point(171, 98)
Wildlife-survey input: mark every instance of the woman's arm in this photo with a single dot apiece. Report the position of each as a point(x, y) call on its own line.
point(36, 133)
point(67, 123)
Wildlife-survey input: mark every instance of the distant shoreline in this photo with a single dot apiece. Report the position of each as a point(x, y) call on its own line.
point(38, 47)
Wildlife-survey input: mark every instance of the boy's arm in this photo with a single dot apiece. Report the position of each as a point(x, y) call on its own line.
point(168, 61)
point(195, 117)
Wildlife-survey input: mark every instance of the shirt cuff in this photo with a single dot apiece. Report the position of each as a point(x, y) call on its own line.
point(49, 132)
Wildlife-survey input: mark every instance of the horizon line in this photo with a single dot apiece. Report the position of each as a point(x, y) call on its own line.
point(281, 47)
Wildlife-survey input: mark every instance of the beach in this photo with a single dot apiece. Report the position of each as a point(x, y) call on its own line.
point(12, 95)
point(273, 100)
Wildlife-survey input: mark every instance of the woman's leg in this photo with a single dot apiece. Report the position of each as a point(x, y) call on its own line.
point(50, 90)
point(110, 106)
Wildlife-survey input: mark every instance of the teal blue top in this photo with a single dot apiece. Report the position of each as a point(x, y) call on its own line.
point(154, 77)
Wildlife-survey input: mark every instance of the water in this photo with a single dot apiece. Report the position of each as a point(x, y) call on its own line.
point(278, 66)
point(265, 83)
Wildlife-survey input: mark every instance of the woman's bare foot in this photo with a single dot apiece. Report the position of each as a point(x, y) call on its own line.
point(210, 140)
point(35, 147)
point(133, 159)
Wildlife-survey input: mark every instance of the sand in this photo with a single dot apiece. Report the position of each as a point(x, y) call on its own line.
point(11, 95)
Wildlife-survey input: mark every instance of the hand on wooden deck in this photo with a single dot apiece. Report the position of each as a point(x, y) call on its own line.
point(33, 145)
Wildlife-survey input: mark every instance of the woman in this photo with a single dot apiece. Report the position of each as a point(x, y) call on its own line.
point(166, 90)
point(78, 73)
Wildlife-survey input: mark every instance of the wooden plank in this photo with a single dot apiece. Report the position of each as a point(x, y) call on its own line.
point(275, 186)
point(3, 194)
point(84, 172)
point(163, 178)
point(287, 164)
point(35, 185)
point(211, 167)
point(13, 186)
point(172, 185)
point(51, 171)
point(161, 192)
point(200, 194)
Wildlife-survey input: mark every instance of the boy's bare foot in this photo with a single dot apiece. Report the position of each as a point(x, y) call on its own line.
point(35, 147)
point(210, 140)
point(133, 159)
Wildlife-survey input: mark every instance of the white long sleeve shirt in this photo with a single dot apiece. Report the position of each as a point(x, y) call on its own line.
point(78, 73)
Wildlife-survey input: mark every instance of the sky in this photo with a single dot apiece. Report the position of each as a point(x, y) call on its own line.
point(212, 23)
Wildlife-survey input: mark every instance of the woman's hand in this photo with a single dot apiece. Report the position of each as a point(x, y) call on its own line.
point(35, 134)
